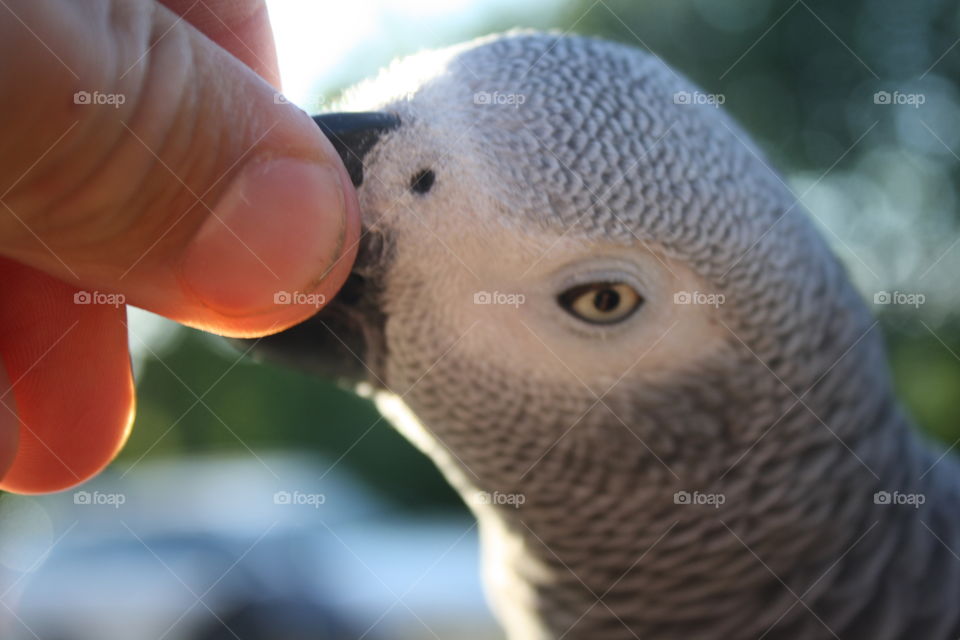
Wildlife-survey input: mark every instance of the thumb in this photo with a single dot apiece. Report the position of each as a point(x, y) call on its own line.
point(143, 159)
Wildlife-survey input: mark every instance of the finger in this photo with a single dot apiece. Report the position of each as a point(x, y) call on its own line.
point(9, 422)
point(68, 401)
point(242, 27)
point(177, 179)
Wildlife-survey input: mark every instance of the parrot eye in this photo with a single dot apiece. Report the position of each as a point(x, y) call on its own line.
point(601, 302)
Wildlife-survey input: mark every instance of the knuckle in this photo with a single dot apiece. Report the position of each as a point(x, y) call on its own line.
point(117, 157)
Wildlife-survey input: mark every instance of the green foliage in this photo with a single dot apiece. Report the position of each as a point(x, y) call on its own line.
point(927, 376)
point(201, 397)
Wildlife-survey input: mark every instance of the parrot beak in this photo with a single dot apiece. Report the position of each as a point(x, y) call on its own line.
point(345, 340)
point(354, 134)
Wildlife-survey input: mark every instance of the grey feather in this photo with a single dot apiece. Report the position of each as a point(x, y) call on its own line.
point(778, 399)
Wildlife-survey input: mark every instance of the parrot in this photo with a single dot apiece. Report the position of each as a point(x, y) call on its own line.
point(584, 294)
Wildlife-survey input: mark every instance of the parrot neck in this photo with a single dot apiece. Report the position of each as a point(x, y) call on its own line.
point(837, 517)
point(859, 565)
point(849, 533)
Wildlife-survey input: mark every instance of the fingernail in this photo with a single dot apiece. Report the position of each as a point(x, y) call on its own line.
point(276, 230)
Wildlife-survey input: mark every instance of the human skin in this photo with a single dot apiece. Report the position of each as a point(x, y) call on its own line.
point(197, 194)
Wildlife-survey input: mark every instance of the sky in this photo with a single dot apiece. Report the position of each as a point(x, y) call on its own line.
point(321, 48)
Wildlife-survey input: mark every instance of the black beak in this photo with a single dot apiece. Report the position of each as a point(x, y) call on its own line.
point(354, 134)
point(344, 341)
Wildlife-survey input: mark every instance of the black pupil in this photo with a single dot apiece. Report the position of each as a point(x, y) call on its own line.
point(606, 300)
point(422, 181)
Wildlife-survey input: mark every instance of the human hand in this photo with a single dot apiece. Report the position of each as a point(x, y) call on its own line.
point(141, 162)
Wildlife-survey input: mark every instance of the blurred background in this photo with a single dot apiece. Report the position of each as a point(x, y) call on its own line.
point(255, 503)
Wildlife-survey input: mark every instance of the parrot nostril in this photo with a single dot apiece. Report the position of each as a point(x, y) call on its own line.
point(422, 181)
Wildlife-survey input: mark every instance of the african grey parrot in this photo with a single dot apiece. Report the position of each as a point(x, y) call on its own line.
point(589, 300)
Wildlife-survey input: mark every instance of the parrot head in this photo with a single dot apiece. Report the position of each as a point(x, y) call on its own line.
point(580, 284)
point(559, 232)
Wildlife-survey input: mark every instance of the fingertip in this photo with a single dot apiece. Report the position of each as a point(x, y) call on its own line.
point(276, 249)
point(69, 386)
point(56, 453)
